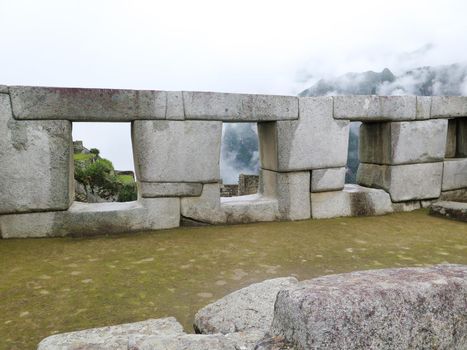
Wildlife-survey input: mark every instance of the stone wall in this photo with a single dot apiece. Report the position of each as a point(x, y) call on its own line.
point(413, 150)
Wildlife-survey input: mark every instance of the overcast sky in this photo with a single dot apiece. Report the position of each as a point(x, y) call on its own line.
point(278, 47)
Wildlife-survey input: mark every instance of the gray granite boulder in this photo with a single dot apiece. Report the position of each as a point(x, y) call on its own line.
point(375, 108)
point(315, 141)
point(36, 163)
point(176, 151)
point(353, 200)
point(403, 182)
point(450, 210)
point(112, 337)
point(77, 104)
point(182, 342)
point(448, 106)
point(239, 107)
point(403, 142)
point(247, 309)
point(408, 308)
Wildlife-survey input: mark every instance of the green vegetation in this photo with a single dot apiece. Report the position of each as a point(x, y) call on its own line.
point(98, 175)
point(83, 157)
point(125, 179)
point(56, 285)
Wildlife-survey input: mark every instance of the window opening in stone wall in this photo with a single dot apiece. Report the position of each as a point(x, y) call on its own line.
point(103, 163)
point(239, 163)
point(352, 156)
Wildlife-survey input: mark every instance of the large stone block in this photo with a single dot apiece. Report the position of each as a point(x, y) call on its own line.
point(459, 195)
point(314, 141)
point(206, 208)
point(3, 89)
point(292, 191)
point(175, 109)
point(250, 208)
point(409, 308)
point(78, 104)
point(354, 200)
point(170, 189)
point(239, 107)
point(177, 151)
point(450, 210)
point(448, 106)
point(375, 108)
point(423, 107)
point(403, 142)
point(331, 179)
point(111, 337)
point(403, 182)
point(36, 171)
point(250, 308)
point(89, 219)
point(454, 174)
point(461, 149)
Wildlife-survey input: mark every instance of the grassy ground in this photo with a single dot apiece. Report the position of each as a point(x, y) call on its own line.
point(49, 286)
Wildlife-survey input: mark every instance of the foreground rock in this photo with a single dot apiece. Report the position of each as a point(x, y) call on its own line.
point(113, 337)
point(410, 308)
point(247, 309)
point(451, 210)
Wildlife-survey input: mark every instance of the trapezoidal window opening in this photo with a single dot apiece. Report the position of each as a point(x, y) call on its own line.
point(239, 161)
point(103, 163)
point(352, 155)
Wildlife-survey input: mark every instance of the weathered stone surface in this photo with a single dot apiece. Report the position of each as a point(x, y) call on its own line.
point(461, 149)
point(291, 191)
point(448, 106)
point(88, 219)
point(403, 142)
point(250, 208)
point(410, 308)
point(331, 179)
point(427, 203)
point(3, 89)
point(454, 174)
point(406, 206)
point(247, 309)
point(455, 195)
point(403, 182)
point(78, 104)
point(206, 208)
point(245, 340)
point(239, 107)
point(177, 151)
point(182, 342)
point(175, 109)
point(451, 210)
point(354, 200)
point(451, 139)
point(423, 107)
point(170, 189)
point(375, 108)
point(314, 141)
point(36, 163)
point(112, 337)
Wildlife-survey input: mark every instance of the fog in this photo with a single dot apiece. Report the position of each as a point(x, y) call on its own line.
point(243, 46)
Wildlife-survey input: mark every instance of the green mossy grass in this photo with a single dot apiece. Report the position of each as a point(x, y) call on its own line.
point(83, 157)
point(56, 285)
point(125, 179)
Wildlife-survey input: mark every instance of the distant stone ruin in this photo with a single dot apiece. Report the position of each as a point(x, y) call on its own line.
point(247, 184)
point(413, 150)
